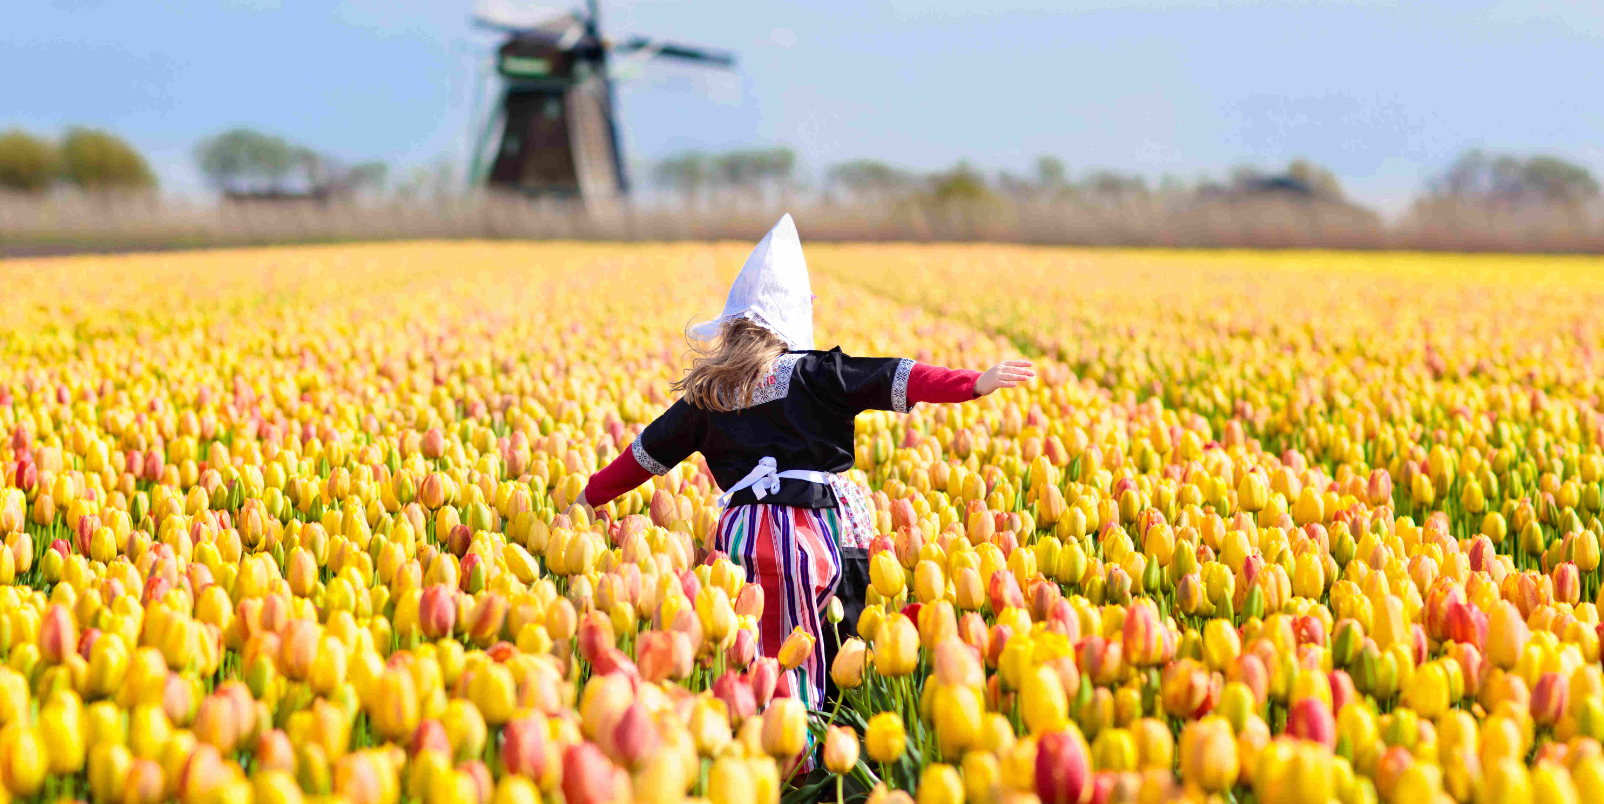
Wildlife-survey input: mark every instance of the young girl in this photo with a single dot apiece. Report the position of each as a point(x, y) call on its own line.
point(774, 420)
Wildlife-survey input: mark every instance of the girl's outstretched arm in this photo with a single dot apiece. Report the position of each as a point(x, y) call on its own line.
point(669, 439)
point(935, 384)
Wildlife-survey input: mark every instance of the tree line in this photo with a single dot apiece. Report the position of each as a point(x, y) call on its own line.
point(243, 163)
point(85, 158)
point(1499, 183)
point(240, 163)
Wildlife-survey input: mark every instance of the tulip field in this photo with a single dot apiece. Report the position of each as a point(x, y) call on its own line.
point(292, 525)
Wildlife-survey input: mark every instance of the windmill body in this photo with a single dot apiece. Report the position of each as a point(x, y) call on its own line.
point(554, 131)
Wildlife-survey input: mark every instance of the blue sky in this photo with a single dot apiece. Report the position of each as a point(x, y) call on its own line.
point(1385, 93)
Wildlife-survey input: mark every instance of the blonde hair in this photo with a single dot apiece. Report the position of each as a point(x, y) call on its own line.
point(727, 369)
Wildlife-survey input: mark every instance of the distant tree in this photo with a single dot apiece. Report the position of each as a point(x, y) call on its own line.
point(751, 175)
point(869, 181)
point(1051, 175)
point(961, 184)
point(734, 170)
point(318, 171)
point(1508, 183)
point(27, 163)
point(367, 177)
point(97, 160)
point(1112, 188)
point(1017, 188)
point(685, 174)
point(778, 169)
point(242, 160)
point(1557, 181)
point(1322, 183)
point(1244, 176)
point(1172, 185)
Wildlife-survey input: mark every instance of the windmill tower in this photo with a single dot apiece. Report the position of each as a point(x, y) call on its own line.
point(554, 131)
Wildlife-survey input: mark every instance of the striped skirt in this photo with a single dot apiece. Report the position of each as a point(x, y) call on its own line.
point(793, 555)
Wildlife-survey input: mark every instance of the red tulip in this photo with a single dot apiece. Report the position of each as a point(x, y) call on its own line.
point(437, 611)
point(590, 778)
point(1549, 698)
point(634, 736)
point(1061, 767)
point(1342, 689)
point(736, 693)
point(1467, 624)
point(595, 634)
point(742, 650)
point(1310, 719)
point(612, 660)
point(430, 735)
point(525, 746)
point(654, 655)
point(1003, 591)
point(1567, 583)
point(763, 678)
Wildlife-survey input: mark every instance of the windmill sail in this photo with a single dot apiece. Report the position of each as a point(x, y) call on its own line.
point(554, 132)
point(592, 139)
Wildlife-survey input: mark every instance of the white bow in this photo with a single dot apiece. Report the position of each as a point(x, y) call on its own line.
point(764, 479)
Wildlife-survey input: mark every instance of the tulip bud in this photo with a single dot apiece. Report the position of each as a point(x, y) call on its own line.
point(940, 784)
point(1062, 769)
point(633, 737)
point(896, 647)
point(589, 778)
point(847, 669)
point(764, 679)
point(885, 738)
point(785, 728)
point(742, 650)
point(736, 694)
point(796, 649)
point(58, 634)
point(886, 575)
point(840, 749)
point(1209, 754)
point(437, 611)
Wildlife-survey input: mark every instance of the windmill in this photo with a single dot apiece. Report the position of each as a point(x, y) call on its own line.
point(553, 131)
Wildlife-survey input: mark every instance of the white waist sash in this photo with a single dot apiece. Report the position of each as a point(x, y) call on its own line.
point(764, 480)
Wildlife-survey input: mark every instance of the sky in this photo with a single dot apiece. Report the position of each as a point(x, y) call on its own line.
point(1384, 93)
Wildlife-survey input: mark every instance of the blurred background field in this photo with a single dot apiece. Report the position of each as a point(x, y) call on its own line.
point(1426, 126)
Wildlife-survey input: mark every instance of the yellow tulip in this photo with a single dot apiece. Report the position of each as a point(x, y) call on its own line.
point(886, 575)
point(958, 713)
point(885, 738)
point(785, 731)
point(1209, 754)
point(1043, 701)
point(940, 784)
point(896, 647)
point(795, 650)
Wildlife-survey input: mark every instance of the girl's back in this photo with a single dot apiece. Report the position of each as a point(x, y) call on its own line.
point(800, 411)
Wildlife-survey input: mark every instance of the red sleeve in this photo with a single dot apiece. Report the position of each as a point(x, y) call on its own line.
point(623, 474)
point(937, 384)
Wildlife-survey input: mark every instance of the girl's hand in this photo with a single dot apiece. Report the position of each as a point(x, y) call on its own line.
point(1006, 374)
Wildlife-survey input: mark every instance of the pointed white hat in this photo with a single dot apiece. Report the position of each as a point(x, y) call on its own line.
point(772, 290)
